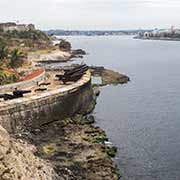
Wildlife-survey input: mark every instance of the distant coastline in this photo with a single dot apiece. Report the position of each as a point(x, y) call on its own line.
point(91, 32)
point(158, 38)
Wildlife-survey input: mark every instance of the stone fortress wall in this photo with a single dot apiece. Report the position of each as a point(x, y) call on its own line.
point(11, 26)
point(43, 108)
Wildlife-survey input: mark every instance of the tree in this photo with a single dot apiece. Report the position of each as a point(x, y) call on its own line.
point(16, 58)
point(3, 51)
point(64, 45)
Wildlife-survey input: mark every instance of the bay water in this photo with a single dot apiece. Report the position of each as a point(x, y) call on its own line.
point(141, 118)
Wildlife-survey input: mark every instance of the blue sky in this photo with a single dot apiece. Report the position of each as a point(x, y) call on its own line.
point(92, 14)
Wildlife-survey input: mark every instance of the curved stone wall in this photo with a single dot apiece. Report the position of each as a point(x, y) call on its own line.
point(46, 107)
point(22, 84)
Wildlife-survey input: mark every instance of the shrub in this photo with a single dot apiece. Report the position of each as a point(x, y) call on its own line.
point(8, 78)
point(3, 51)
point(65, 45)
point(16, 58)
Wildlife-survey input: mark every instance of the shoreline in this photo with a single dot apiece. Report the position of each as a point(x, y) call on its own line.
point(158, 39)
point(76, 147)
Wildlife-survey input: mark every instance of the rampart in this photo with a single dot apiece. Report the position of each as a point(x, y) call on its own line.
point(43, 108)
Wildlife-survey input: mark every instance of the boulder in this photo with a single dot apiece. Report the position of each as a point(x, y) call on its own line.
point(78, 52)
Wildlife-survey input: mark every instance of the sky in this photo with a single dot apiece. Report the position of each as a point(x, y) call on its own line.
point(92, 14)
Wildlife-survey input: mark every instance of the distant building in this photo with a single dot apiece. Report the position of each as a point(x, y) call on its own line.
point(10, 26)
point(147, 34)
point(170, 33)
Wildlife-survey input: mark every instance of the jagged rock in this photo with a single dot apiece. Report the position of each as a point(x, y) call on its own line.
point(4, 142)
point(108, 76)
point(78, 52)
point(96, 91)
point(17, 161)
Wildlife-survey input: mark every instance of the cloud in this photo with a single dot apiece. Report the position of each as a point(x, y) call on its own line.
point(92, 14)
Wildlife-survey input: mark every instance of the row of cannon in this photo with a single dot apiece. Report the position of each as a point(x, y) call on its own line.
point(73, 74)
point(15, 94)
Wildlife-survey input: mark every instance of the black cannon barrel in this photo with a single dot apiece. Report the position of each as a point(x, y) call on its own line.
point(7, 96)
point(59, 75)
point(45, 84)
point(74, 74)
point(20, 93)
point(76, 70)
point(1, 95)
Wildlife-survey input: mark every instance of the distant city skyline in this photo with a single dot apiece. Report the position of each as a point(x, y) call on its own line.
point(92, 14)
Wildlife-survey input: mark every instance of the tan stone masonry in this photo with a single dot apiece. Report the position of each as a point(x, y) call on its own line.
point(42, 108)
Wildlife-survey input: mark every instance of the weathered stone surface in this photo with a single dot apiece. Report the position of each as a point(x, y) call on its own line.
point(17, 161)
point(76, 149)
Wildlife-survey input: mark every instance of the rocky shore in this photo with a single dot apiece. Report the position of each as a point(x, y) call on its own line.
point(69, 149)
point(63, 149)
point(18, 162)
point(108, 76)
point(58, 56)
point(75, 147)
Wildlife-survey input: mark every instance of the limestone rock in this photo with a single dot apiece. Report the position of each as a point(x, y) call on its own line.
point(17, 161)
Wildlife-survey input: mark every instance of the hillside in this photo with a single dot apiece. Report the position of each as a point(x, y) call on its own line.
point(25, 40)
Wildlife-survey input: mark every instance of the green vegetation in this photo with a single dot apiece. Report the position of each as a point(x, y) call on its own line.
point(7, 78)
point(49, 149)
point(111, 151)
point(100, 138)
point(65, 45)
point(31, 34)
point(3, 51)
point(16, 58)
point(26, 40)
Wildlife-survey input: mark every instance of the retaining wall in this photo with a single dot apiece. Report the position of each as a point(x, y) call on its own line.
point(33, 112)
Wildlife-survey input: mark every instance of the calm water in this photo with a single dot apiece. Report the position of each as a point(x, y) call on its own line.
point(142, 118)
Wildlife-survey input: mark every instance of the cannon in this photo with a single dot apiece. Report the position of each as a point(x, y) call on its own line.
point(76, 69)
point(16, 94)
point(45, 84)
point(65, 79)
point(20, 93)
point(7, 96)
point(40, 89)
point(73, 74)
